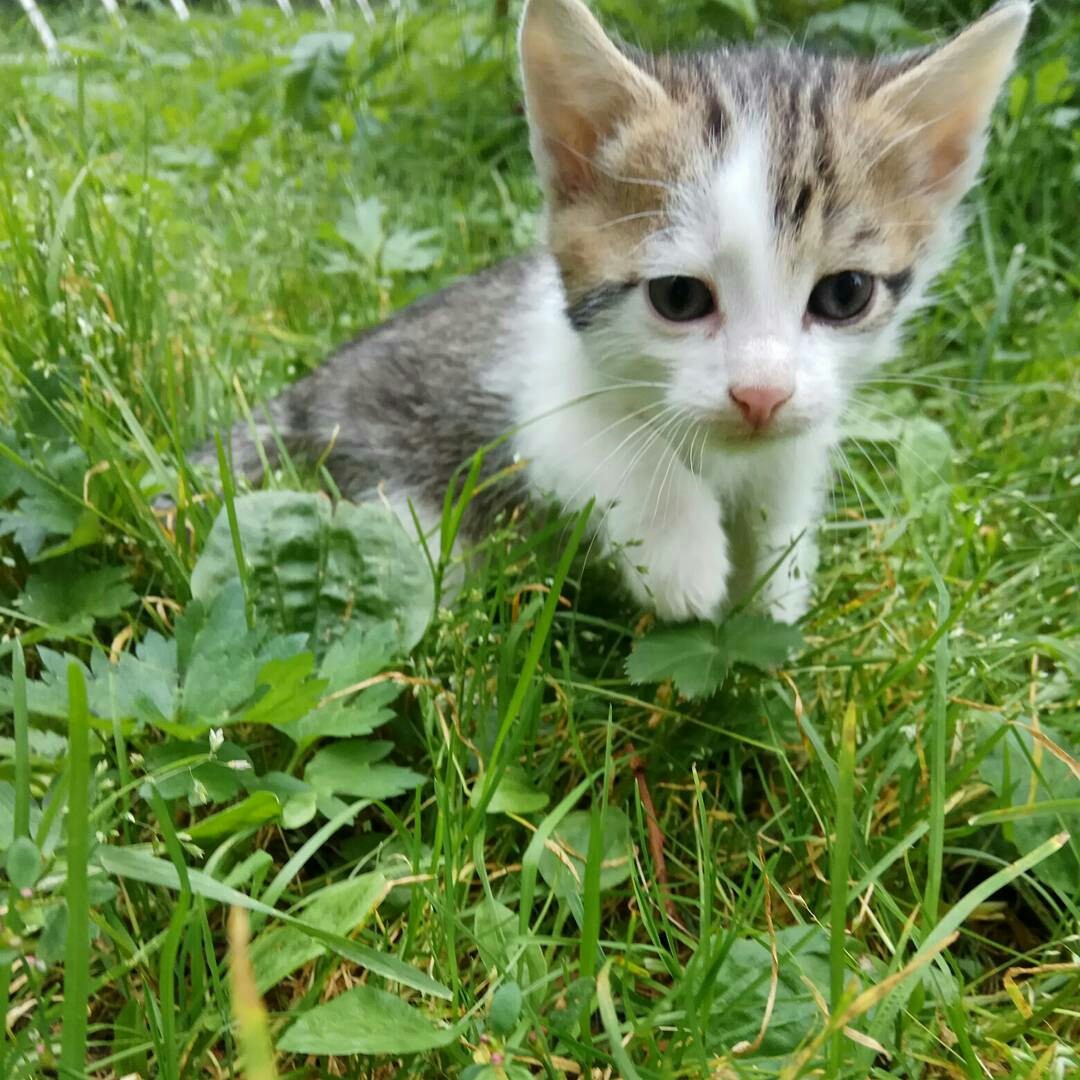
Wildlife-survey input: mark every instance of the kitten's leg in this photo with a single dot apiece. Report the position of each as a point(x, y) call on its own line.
point(778, 521)
point(662, 523)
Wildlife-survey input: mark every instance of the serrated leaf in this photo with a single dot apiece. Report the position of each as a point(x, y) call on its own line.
point(688, 655)
point(296, 797)
point(318, 569)
point(361, 653)
point(69, 598)
point(409, 250)
point(290, 691)
point(22, 861)
point(355, 767)
point(169, 763)
point(758, 640)
point(360, 226)
point(697, 658)
point(51, 503)
point(364, 1020)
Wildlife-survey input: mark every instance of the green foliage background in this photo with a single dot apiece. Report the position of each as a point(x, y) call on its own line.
point(436, 807)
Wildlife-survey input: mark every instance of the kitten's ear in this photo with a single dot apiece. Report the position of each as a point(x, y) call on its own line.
point(578, 86)
point(947, 96)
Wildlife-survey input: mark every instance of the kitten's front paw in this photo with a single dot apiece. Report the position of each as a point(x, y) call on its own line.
point(681, 573)
point(790, 604)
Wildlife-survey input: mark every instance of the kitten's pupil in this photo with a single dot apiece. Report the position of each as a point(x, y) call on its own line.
point(842, 296)
point(681, 299)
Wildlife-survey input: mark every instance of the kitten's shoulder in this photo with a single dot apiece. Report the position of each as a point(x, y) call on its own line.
point(474, 310)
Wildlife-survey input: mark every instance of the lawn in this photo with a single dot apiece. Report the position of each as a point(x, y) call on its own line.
point(254, 752)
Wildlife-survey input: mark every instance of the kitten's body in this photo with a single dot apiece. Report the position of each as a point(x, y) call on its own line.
point(698, 416)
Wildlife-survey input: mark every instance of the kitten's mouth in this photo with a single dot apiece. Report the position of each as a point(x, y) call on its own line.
point(731, 434)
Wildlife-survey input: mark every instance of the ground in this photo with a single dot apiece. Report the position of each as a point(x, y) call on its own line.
point(459, 820)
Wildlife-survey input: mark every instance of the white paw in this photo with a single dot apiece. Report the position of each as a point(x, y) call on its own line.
point(788, 602)
point(681, 570)
point(787, 593)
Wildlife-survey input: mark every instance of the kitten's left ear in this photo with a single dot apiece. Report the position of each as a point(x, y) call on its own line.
point(946, 98)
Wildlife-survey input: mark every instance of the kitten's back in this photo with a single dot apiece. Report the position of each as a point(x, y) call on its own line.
point(404, 405)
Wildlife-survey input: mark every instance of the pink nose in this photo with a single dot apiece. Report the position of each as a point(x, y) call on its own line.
point(759, 403)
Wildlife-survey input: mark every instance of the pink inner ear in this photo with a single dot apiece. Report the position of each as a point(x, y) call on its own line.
point(571, 147)
point(951, 148)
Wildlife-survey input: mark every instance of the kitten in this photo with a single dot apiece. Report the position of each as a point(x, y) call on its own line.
point(734, 238)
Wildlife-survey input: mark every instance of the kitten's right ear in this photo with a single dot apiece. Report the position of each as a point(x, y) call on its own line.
point(578, 86)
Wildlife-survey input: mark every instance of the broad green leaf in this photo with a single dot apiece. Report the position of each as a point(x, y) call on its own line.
point(873, 22)
point(743, 986)
point(22, 861)
point(364, 1020)
point(923, 459)
point(249, 813)
point(53, 937)
point(505, 1008)
point(296, 797)
point(180, 768)
point(315, 568)
point(315, 73)
point(1052, 82)
point(142, 866)
point(341, 908)
point(746, 10)
point(355, 767)
point(566, 875)
point(1008, 770)
point(501, 945)
point(514, 795)
point(7, 814)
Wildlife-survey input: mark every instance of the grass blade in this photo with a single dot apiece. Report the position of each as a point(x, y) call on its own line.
point(77, 947)
point(21, 821)
point(249, 1013)
point(610, 1020)
point(938, 752)
point(839, 871)
point(229, 495)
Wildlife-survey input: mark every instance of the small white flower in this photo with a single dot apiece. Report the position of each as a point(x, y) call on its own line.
point(239, 765)
point(217, 737)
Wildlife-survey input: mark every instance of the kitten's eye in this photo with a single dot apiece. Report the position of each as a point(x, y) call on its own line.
point(681, 299)
point(841, 297)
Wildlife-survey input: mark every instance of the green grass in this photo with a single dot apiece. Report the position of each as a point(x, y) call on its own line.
point(454, 851)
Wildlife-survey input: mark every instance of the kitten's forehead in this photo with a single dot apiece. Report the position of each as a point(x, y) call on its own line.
point(826, 155)
point(740, 129)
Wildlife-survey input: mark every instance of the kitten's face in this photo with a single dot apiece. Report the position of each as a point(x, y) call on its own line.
point(746, 231)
